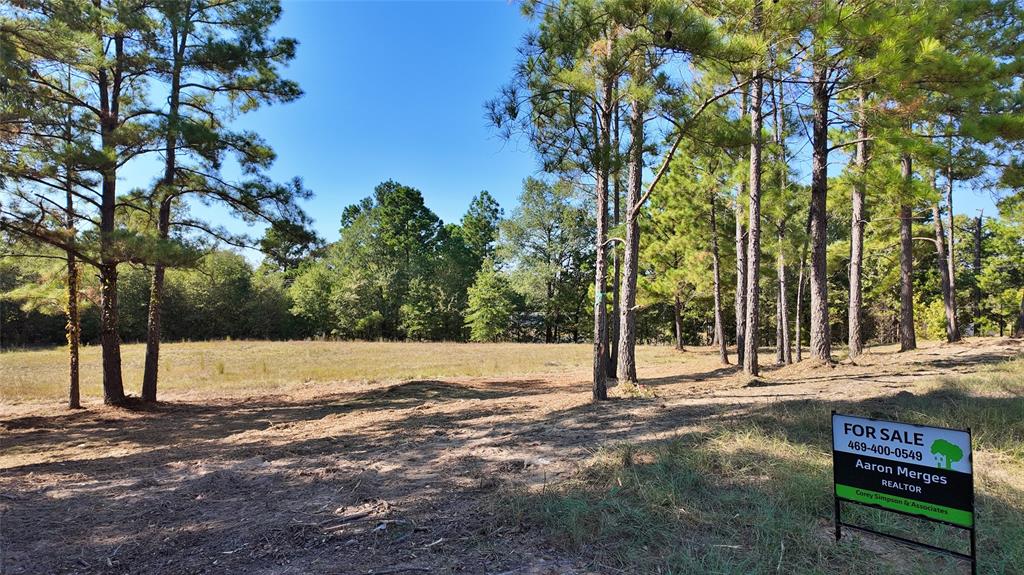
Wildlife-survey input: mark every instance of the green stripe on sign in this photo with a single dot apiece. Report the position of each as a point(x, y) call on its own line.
point(895, 502)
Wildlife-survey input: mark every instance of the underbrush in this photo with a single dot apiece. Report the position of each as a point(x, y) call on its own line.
point(754, 495)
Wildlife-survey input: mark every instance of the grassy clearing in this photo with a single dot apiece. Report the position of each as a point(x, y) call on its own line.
point(754, 495)
point(255, 366)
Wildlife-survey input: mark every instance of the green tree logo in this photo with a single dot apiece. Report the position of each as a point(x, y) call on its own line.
point(946, 453)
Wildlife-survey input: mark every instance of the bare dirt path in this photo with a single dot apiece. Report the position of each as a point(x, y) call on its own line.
point(357, 478)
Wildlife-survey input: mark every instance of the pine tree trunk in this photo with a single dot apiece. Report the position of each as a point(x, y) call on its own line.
point(741, 279)
point(600, 384)
point(73, 331)
point(1018, 326)
point(613, 326)
point(110, 341)
point(631, 254)
point(952, 332)
point(821, 336)
point(857, 221)
point(549, 317)
point(785, 349)
point(908, 339)
point(797, 335)
point(741, 259)
point(976, 289)
point(950, 257)
point(677, 319)
point(783, 352)
point(779, 355)
point(153, 335)
point(750, 360)
point(600, 389)
point(723, 354)
point(156, 298)
point(156, 291)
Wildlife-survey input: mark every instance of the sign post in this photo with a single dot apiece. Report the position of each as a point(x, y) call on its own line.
point(915, 470)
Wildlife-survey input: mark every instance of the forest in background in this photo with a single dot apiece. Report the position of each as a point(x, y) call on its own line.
point(536, 287)
point(686, 192)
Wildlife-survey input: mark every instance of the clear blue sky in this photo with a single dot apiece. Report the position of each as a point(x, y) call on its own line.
point(395, 90)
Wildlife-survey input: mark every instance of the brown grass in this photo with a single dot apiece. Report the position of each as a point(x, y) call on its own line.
point(248, 367)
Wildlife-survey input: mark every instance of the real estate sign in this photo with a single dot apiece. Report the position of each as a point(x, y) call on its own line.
point(912, 469)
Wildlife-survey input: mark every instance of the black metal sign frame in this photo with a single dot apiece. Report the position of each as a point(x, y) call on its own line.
point(839, 524)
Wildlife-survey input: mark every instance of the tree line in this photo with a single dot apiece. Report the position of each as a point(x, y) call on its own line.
point(222, 296)
point(686, 119)
point(397, 272)
point(91, 86)
point(736, 173)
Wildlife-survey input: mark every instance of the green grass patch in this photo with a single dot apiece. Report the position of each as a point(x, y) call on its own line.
point(754, 495)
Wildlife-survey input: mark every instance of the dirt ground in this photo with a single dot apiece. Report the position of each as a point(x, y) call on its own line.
point(357, 478)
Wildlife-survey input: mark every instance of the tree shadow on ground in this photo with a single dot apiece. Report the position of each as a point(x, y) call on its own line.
point(723, 371)
point(184, 421)
point(260, 504)
point(758, 500)
point(254, 484)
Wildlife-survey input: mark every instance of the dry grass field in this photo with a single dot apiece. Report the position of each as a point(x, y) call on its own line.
point(344, 458)
point(247, 367)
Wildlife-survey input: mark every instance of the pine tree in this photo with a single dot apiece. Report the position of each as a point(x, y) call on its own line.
point(102, 47)
point(564, 96)
point(683, 254)
point(211, 77)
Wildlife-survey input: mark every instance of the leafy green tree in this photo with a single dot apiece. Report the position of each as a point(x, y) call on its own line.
point(479, 228)
point(490, 305)
point(32, 295)
point(1002, 273)
point(268, 310)
point(420, 311)
point(312, 297)
point(461, 250)
point(218, 292)
point(683, 259)
point(396, 271)
point(388, 242)
point(547, 243)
